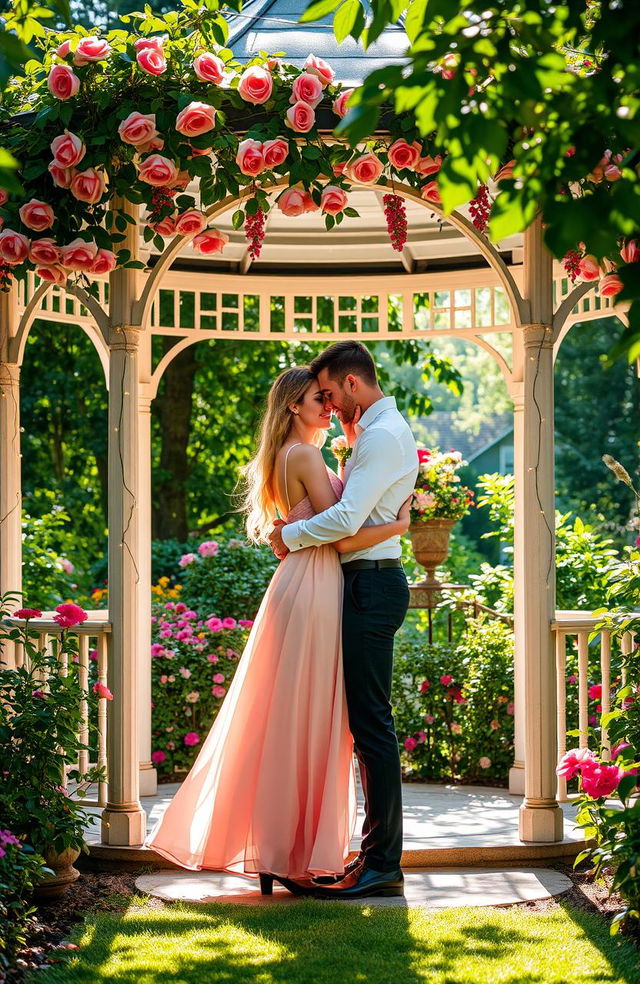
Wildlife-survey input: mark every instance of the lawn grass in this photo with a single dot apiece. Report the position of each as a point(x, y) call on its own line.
point(312, 942)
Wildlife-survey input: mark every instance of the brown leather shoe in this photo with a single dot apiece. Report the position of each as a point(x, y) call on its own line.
point(333, 879)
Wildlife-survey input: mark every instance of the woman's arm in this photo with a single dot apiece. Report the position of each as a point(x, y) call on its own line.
point(369, 536)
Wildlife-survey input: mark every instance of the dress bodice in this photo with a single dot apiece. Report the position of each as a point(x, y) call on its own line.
point(304, 509)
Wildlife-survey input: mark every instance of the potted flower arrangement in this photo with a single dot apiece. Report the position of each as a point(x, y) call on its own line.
point(439, 501)
point(40, 723)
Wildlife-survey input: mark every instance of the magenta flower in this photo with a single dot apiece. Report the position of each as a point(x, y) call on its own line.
point(191, 738)
point(157, 649)
point(229, 623)
point(93, 654)
point(102, 691)
point(600, 779)
point(186, 559)
point(69, 615)
point(429, 718)
point(181, 607)
point(212, 658)
point(27, 613)
point(510, 708)
point(218, 678)
point(6, 837)
point(595, 691)
point(410, 744)
point(446, 680)
point(218, 691)
point(245, 623)
point(424, 686)
point(208, 549)
point(158, 757)
point(421, 737)
point(38, 693)
point(574, 761)
point(636, 542)
point(214, 624)
point(619, 749)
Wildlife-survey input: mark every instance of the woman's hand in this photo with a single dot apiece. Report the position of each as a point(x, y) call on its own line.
point(404, 516)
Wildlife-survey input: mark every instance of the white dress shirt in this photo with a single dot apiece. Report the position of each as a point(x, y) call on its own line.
point(379, 476)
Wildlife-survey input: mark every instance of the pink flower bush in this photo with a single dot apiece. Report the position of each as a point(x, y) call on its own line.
point(255, 85)
point(61, 176)
point(209, 68)
point(209, 548)
point(484, 762)
point(601, 779)
point(229, 623)
point(245, 623)
point(195, 119)
point(102, 691)
point(191, 738)
point(573, 761)
point(431, 193)
point(63, 83)
point(218, 691)
point(52, 274)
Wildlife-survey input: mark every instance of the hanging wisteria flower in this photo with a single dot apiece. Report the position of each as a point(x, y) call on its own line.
point(254, 229)
point(480, 208)
point(396, 215)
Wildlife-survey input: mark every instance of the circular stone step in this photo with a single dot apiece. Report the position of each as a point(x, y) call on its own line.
point(433, 888)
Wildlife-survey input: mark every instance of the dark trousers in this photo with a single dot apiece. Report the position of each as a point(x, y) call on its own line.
point(375, 604)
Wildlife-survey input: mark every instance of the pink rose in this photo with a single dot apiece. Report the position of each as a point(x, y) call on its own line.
point(158, 171)
point(245, 623)
point(410, 744)
point(36, 215)
point(309, 204)
point(229, 623)
point(250, 157)
point(195, 119)
point(218, 691)
point(156, 43)
point(200, 151)
point(612, 172)
point(14, 247)
point(91, 49)
point(102, 691)
point(600, 779)
point(402, 154)
point(573, 761)
point(44, 252)
point(431, 193)
point(191, 738)
point(89, 186)
point(61, 176)
point(429, 165)
point(300, 117)
point(218, 678)
point(333, 200)
point(595, 691)
point(211, 241)
point(256, 85)
point(158, 757)
point(589, 268)
point(52, 274)
point(275, 152)
point(208, 548)
point(316, 66)
point(484, 762)
point(166, 226)
point(70, 615)
point(209, 68)
point(63, 83)
point(610, 285)
point(366, 169)
point(214, 624)
point(190, 222)
point(27, 613)
point(104, 262)
point(138, 128)
point(68, 149)
point(78, 255)
point(291, 202)
point(156, 143)
point(152, 61)
point(340, 107)
point(307, 88)
point(64, 49)
point(630, 252)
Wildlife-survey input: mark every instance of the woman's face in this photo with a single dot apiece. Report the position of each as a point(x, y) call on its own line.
point(312, 411)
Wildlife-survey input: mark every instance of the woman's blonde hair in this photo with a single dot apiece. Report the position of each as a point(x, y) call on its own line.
point(275, 428)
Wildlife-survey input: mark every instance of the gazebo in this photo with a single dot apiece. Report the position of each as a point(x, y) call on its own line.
point(509, 297)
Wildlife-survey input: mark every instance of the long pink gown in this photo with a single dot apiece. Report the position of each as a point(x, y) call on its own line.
point(273, 787)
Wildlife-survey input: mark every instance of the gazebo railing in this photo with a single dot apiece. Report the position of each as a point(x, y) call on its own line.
point(92, 647)
point(594, 662)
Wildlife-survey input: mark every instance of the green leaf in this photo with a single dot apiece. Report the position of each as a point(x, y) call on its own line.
point(237, 219)
point(415, 18)
point(360, 122)
point(348, 19)
point(318, 10)
point(511, 213)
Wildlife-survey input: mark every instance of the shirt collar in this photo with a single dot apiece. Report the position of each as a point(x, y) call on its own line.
point(384, 403)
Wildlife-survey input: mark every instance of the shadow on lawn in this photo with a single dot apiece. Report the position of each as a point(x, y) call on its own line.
point(621, 953)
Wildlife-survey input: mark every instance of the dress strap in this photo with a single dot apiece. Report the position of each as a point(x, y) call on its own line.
point(286, 487)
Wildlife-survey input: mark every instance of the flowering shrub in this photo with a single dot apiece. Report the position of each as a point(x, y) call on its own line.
point(226, 577)
point(453, 705)
point(194, 658)
point(20, 870)
point(438, 493)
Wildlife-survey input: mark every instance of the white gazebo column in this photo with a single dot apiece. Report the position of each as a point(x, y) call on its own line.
point(148, 774)
point(516, 773)
point(123, 819)
point(541, 819)
point(10, 461)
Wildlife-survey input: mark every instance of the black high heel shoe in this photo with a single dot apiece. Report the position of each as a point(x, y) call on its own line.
point(296, 888)
point(266, 883)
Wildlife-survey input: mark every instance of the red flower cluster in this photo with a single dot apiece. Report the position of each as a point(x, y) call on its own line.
point(254, 230)
point(480, 209)
point(396, 215)
point(571, 263)
point(160, 198)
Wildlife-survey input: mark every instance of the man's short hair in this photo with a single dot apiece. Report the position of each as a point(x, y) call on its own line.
point(343, 358)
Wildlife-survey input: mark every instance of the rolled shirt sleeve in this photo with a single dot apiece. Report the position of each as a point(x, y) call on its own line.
point(379, 458)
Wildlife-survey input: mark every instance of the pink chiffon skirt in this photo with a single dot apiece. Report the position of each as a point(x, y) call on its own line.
point(273, 787)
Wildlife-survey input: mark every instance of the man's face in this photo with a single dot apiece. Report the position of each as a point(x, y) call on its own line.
point(338, 396)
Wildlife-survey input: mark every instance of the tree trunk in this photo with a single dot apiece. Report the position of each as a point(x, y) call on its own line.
point(173, 407)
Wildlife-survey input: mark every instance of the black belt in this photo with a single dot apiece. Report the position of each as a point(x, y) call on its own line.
point(372, 565)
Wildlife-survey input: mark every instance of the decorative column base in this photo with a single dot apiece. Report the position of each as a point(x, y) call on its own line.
point(148, 779)
point(516, 779)
point(123, 825)
point(541, 822)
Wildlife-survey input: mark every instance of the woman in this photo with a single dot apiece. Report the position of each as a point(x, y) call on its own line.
point(272, 791)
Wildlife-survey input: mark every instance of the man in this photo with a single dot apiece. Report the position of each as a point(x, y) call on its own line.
point(379, 476)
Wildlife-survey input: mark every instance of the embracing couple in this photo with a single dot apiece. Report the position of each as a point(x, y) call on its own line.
point(272, 791)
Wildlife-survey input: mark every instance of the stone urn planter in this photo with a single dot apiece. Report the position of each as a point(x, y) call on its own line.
point(53, 886)
point(430, 544)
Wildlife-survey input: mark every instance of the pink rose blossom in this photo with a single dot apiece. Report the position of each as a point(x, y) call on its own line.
point(429, 718)
point(163, 678)
point(91, 49)
point(66, 565)
point(630, 252)
point(595, 691)
point(421, 737)
point(410, 744)
point(195, 119)
point(152, 61)
point(404, 155)
point(156, 43)
point(104, 262)
point(601, 779)
point(446, 680)
point(63, 83)
point(300, 117)
point(211, 241)
point(218, 678)
point(69, 615)
point(218, 691)
point(333, 200)
point(214, 624)
point(186, 559)
point(612, 172)
point(494, 725)
point(456, 728)
point(429, 165)
point(61, 176)
point(307, 88)
point(157, 649)
point(138, 128)
point(171, 745)
point(14, 247)
point(572, 679)
point(573, 761)
point(610, 285)
point(64, 49)
point(339, 106)
point(209, 68)
point(212, 658)
point(102, 691)
point(431, 193)
point(44, 252)
point(158, 171)
point(245, 623)
point(166, 226)
point(67, 149)
point(484, 762)
point(229, 623)
point(256, 85)
point(53, 274)
point(589, 268)
point(317, 66)
point(292, 202)
point(78, 255)
point(190, 222)
point(250, 157)
point(89, 186)
point(27, 613)
point(208, 548)
point(191, 738)
point(158, 757)
point(366, 169)
point(193, 697)
point(275, 152)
